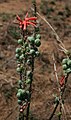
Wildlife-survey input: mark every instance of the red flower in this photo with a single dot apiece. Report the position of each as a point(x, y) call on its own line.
point(62, 80)
point(24, 23)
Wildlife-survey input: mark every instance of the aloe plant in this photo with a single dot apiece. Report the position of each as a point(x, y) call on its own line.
point(25, 55)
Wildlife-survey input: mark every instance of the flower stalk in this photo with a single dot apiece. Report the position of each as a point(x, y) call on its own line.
point(26, 54)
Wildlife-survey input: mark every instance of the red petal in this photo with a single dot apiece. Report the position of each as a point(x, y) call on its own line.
point(18, 18)
point(25, 25)
point(62, 81)
point(26, 15)
point(31, 18)
point(31, 24)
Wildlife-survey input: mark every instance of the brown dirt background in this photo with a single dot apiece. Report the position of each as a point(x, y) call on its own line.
point(44, 84)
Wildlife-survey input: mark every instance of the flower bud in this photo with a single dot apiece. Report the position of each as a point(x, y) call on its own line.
point(32, 51)
point(29, 62)
point(19, 102)
point(29, 74)
point(28, 81)
point(68, 71)
point(64, 67)
point(19, 69)
point(31, 39)
point(19, 82)
point(20, 41)
point(18, 50)
point(37, 53)
point(38, 36)
point(69, 62)
point(21, 57)
point(37, 42)
point(17, 56)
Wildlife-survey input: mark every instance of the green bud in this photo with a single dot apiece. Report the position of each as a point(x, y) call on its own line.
point(64, 61)
point(28, 81)
point(29, 62)
point(69, 62)
point(31, 39)
point(18, 50)
point(18, 62)
point(38, 36)
point(21, 91)
point(68, 71)
point(29, 73)
point(21, 57)
point(64, 67)
point(19, 69)
point(20, 82)
point(19, 96)
point(37, 53)
point(32, 51)
point(27, 92)
point(19, 102)
point(20, 41)
point(37, 42)
point(27, 95)
point(17, 56)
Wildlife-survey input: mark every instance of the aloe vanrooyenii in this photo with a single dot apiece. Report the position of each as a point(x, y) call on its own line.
point(26, 54)
point(59, 100)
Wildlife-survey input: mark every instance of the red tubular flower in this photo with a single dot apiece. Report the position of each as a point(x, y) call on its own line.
point(18, 18)
point(32, 23)
point(24, 23)
point(62, 80)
